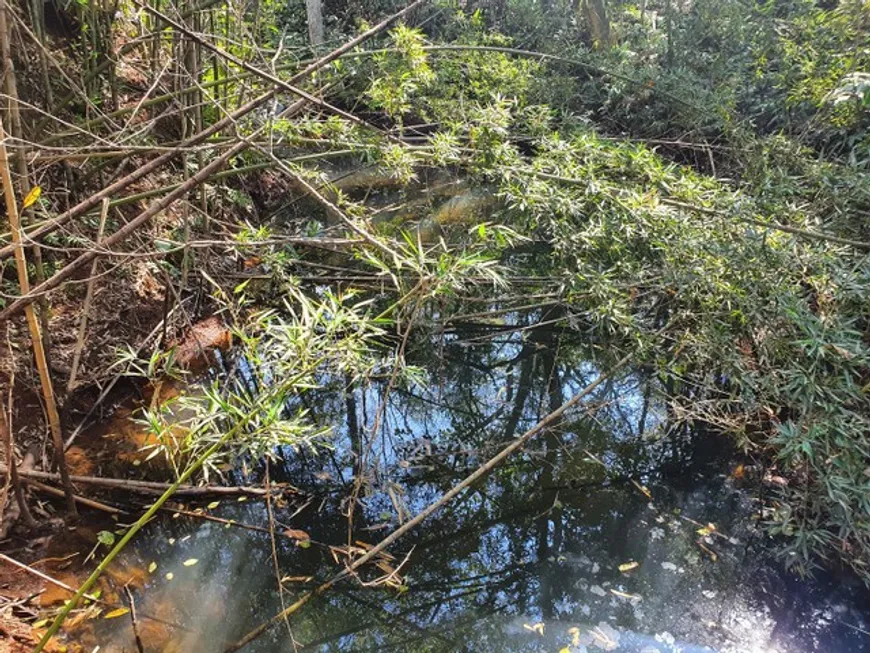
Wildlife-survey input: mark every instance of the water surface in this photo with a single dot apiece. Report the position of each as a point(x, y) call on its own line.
point(527, 561)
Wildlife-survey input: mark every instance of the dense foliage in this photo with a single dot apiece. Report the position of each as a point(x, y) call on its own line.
point(689, 177)
point(747, 116)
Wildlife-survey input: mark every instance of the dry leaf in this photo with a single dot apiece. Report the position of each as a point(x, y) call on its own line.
point(575, 635)
point(628, 566)
point(152, 567)
point(119, 612)
point(297, 534)
point(190, 562)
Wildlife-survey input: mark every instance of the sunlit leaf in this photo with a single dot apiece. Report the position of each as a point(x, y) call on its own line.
point(118, 612)
point(32, 197)
point(152, 567)
point(190, 562)
point(706, 530)
point(535, 628)
point(169, 575)
point(628, 566)
point(213, 505)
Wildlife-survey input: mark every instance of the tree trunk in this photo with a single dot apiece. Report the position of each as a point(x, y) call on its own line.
point(595, 15)
point(314, 10)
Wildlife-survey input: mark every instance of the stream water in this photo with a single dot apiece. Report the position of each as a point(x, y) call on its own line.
point(530, 560)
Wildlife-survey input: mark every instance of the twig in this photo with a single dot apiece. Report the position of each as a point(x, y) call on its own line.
point(105, 391)
point(6, 521)
point(219, 520)
point(136, 636)
point(89, 297)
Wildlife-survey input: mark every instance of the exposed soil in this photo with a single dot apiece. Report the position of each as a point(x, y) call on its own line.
point(124, 311)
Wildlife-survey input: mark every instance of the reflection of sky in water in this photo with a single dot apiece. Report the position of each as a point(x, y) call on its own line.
point(528, 556)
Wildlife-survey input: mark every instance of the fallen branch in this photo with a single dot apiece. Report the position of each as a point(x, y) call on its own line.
point(147, 487)
point(89, 503)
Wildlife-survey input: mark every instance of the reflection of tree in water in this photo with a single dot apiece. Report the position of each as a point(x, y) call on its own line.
point(539, 540)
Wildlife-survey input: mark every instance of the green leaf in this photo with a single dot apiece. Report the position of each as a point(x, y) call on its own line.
point(106, 538)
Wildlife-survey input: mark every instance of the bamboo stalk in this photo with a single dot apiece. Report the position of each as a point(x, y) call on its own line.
point(11, 88)
point(33, 324)
point(200, 177)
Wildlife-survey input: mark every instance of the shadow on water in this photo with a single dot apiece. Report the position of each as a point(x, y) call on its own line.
point(530, 560)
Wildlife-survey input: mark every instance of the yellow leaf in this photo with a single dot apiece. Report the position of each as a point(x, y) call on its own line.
point(575, 635)
point(706, 530)
point(190, 562)
point(565, 650)
point(120, 612)
point(537, 628)
point(170, 576)
point(40, 623)
point(643, 489)
point(213, 505)
point(32, 196)
point(152, 567)
point(628, 566)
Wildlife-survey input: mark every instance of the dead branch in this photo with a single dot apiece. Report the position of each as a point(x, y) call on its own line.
point(147, 487)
